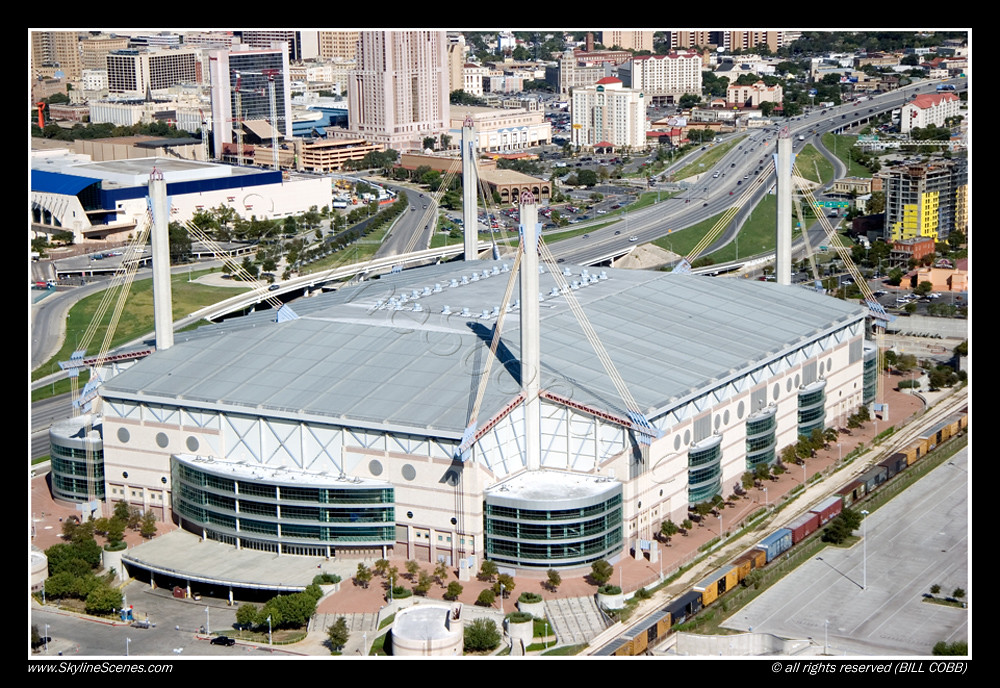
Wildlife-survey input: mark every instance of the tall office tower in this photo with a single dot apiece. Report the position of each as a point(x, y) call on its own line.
point(457, 49)
point(664, 78)
point(749, 40)
point(690, 39)
point(926, 199)
point(607, 113)
point(134, 72)
point(95, 49)
point(627, 40)
point(338, 44)
point(250, 67)
point(266, 39)
point(53, 51)
point(398, 94)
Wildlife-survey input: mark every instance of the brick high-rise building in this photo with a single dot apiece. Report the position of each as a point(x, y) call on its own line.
point(55, 51)
point(398, 93)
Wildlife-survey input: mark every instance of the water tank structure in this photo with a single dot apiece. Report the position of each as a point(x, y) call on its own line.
point(428, 630)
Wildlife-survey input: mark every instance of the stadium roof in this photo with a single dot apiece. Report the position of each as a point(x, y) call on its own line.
point(384, 355)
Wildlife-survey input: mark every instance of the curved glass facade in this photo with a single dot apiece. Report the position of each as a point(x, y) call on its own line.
point(529, 532)
point(276, 516)
point(870, 374)
point(77, 460)
point(812, 408)
point(705, 470)
point(762, 439)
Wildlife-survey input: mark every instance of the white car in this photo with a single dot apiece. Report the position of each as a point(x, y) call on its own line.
point(633, 238)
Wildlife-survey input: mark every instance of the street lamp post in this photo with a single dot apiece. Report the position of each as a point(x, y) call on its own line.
point(208, 623)
point(501, 598)
point(864, 537)
point(269, 629)
point(826, 636)
point(46, 638)
point(127, 641)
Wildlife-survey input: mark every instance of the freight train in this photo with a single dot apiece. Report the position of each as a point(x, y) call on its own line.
point(652, 629)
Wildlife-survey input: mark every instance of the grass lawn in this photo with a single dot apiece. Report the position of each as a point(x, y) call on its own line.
point(756, 236)
point(136, 319)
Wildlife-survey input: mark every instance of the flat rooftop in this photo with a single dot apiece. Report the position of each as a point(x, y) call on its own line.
point(404, 352)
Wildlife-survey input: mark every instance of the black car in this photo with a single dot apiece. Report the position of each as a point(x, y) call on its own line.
point(223, 640)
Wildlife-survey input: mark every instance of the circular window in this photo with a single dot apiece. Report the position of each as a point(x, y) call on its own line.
point(677, 442)
point(192, 443)
point(798, 380)
point(123, 435)
point(409, 472)
point(454, 520)
point(163, 480)
point(740, 410)
point(409, 514)
point(375, 467)
point(776, 391)
point(687, 437)
point(718, 423)
point(161, 440)
point(725, 417)
point(788, 385)
point(125, 474)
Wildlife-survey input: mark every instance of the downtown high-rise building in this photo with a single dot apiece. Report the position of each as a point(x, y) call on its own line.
point(250, 71)
point(398, 93)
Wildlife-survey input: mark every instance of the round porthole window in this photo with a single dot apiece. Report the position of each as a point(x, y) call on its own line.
point(409, 472)
point(375, 467)
point(161, 440)
point(123, 435)
point(192, 443)
point(409, 514)
point(125, 474)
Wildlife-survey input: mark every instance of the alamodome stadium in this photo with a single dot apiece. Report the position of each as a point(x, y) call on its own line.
point(533, 414)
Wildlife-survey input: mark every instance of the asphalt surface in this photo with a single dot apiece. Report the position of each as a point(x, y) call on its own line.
point(867, 601)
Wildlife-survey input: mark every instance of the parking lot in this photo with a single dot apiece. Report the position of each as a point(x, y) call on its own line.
point(869, 600)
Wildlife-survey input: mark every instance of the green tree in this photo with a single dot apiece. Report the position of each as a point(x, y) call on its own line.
point(957, 648)
point(411, 568)
point(103, 600)
point(586, 177)
point(958, 593)
point(441, 572)
point(504, 585)
point(486, 598)
point(246, 615)
point(601, 571)
point(554, 579)
point(363, 575)
point(338, 634)
point(147, 527)
point(382, 567)
point(935, 589)
point(454, 590)
point(668, 529)
point(424, 582)
point(487, 570)
point(481, 635)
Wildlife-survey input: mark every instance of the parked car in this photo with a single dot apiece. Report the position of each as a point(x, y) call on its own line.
point(223, 640)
